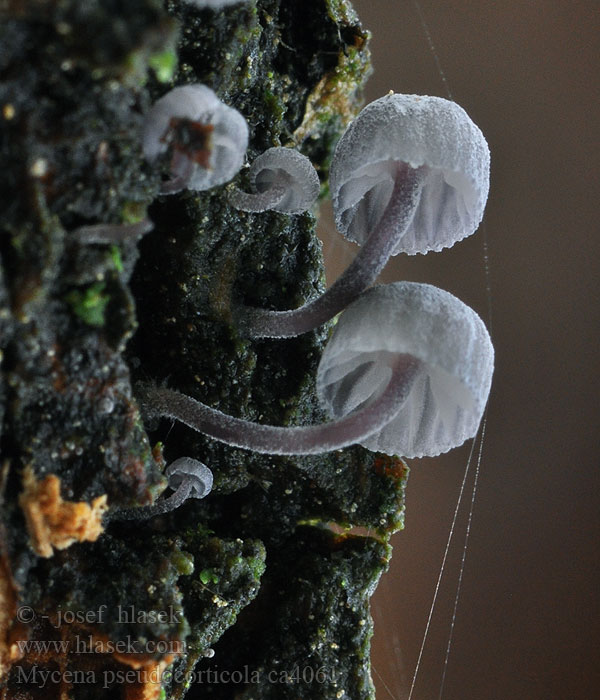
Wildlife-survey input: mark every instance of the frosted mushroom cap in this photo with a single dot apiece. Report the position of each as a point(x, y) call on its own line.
point(393, 135)
point(227, 137)
point(188, 468)
point(450, 341)
point(287, 167)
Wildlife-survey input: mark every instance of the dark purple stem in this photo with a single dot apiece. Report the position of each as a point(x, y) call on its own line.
point(184, 167)
point(161, 507)
point(268, 439)
point(112, 233)
point(358, 276)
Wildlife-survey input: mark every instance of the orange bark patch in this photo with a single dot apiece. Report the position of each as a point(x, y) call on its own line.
point(77, 655)
point(149, 683)
point(53, 522)
point(390, 466)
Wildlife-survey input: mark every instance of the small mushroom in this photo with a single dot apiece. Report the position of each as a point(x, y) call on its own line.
point(284, 180)
point(407, 371)
point(447, 340)
point(410, 174)
point(188, 478)
point(188, 473)
point(206, 138)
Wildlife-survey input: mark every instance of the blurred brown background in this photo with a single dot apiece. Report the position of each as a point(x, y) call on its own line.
point(527, 621)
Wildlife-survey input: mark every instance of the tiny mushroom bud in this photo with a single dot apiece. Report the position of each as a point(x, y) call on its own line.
point(192, 474)
point(284, 180)
point(206, 139)
point(445, 337)
point(407, 371)
point(188, 478)
point(410, 174)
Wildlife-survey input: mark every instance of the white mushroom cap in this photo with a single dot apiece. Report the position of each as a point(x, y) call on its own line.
point(199, 475)
point(448, 339)
point(228, 140)
point(284, 180)
point(397, 133)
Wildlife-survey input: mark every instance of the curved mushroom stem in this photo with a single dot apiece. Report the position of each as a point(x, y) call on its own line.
point(184, 169)
point(161, 507)
point(358, 276)
point(261, 201)
point(112, 233)
point(370, 418)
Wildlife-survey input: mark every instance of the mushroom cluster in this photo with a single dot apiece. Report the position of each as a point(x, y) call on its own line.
point(410, 174)
point(408, 367)
point(406, 371)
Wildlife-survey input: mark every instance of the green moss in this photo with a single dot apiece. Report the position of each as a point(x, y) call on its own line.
point(115, 255)
point(90, 303)
point(157, 52)
point(341, 11)
point(227, 583)
point(312, 614)
point(184, 563)
point(333, 101)
point(208, 576)
point(133, 212)
point(164, 65)
point(274, 105)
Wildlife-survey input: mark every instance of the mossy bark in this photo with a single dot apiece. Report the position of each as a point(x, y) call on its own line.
point(253, 574)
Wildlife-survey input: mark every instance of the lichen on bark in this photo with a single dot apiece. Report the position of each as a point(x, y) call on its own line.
point(253, 574)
